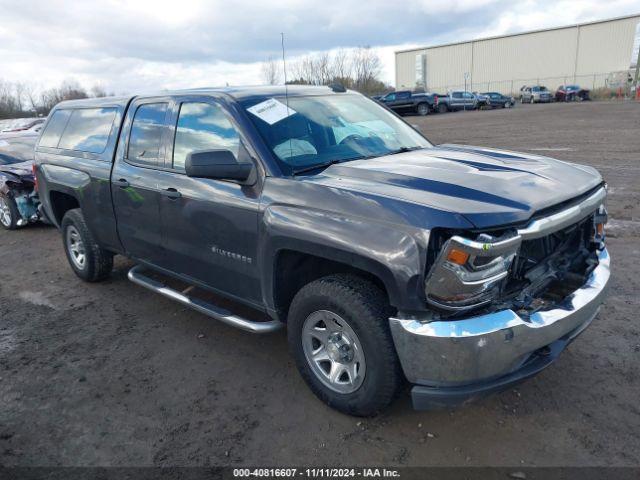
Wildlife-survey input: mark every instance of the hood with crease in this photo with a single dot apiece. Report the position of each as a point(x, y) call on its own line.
point(489, 187)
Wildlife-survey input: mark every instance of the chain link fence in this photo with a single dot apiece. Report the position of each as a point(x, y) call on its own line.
point(603, 86)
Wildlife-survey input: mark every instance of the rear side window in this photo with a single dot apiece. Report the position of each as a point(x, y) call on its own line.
point(88, 130)
point(146, 133)
point(51, 135)
point(202, 126)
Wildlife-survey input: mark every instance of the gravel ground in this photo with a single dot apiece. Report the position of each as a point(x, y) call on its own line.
point(112, 374)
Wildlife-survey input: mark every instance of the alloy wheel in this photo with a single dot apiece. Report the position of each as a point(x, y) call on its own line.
point(75, 246)
point(333, 351)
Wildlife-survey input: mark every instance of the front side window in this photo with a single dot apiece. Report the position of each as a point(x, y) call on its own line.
point(202, 126)
point(146, 133)
point(457, 95)
point(391, 97)
point(88, 130)
point(318, 129)
point(51, 135)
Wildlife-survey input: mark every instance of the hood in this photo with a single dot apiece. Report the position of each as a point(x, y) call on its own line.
point(489, 187)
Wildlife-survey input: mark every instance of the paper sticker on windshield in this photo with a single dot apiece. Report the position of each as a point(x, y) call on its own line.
point(271, 111)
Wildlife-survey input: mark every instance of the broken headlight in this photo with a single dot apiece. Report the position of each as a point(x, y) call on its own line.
point(468, 273)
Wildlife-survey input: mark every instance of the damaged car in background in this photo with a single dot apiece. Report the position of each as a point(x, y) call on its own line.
point(19, 203)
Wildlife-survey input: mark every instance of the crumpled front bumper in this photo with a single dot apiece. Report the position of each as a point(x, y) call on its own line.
point(454, 361)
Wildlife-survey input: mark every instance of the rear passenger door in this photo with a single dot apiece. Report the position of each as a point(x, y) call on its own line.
point(210, 226)
point(136, 177)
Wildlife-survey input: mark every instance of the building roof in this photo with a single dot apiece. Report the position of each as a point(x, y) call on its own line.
point(575, 25)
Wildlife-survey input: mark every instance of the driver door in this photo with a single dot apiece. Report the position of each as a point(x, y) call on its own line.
point(210, 226)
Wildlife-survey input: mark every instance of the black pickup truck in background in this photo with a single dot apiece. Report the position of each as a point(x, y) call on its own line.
point(406, 102)
point(462, 270)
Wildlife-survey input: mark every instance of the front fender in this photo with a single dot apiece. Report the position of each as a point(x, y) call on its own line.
point(394, 255)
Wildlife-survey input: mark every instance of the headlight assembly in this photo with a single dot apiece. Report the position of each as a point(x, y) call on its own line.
point(468, 273)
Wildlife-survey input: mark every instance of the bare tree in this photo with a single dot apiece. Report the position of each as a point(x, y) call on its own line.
point(270, 71)
point(366, 69)
point(358, 68)
point(69, 90)
point(98, 91)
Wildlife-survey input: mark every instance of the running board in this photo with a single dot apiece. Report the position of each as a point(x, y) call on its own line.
point(136, 275)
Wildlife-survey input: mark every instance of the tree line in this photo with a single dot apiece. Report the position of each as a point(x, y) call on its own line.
point(358, 69)
point(20, 99)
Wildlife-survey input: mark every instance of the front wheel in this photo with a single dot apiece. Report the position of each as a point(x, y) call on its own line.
point(87, 259)
point(507, 104)
point(9, 214)
point(338, 333)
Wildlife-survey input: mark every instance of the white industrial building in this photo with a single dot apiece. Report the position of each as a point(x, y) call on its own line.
point(593, 55)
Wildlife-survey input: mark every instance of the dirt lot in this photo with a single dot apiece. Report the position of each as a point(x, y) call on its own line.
point(112, 374)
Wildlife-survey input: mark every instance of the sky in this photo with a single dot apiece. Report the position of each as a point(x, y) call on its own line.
point(133, 46)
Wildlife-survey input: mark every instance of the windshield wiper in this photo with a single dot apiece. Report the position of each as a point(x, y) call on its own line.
point(404, 149)
point(317, 166)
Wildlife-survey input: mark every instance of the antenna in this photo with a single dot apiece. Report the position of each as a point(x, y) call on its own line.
point(286, 92)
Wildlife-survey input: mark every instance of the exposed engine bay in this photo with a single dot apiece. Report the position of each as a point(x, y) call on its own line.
point(485, 272)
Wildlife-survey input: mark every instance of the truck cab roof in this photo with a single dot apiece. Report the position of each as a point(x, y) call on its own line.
point(236, 93)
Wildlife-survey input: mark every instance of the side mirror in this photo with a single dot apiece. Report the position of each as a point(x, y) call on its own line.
point(219, 164)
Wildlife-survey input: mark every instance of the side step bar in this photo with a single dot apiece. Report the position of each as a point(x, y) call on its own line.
point(136, 275)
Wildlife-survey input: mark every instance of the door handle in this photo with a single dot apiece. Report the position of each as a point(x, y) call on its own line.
point(122, 183)
point(171, 193)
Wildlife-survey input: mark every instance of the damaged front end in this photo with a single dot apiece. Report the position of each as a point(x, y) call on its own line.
point(504, 304)
point(21, 191)
point(525, 269)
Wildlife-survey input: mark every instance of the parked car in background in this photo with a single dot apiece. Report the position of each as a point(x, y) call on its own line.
point(497, 100)
point(461, 269)
point(23, 124)
point(570, 93)
point(406, 102)
point(19, 203)
point(458, 100)
point(535, 94)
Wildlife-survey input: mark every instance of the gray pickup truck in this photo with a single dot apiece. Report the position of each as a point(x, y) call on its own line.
point(460, 100)
point(462, 270)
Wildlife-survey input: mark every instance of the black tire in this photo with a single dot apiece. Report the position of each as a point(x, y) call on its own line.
point(10, 223)
point(363, 306)
point(442, 108)
point(422, 109)
point(98, 262)
point(532, 100)
point(506, 105)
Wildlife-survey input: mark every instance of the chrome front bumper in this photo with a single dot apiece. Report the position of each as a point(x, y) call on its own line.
point(480, 349)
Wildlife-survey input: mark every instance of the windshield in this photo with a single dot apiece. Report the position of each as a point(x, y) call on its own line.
point(318, 130)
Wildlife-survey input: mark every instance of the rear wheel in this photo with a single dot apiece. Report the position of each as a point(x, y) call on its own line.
point(532, 100)
point(507, 105)
point(442, 108)
point(423, 109)
point(338, 332)
point(9, 214)
point(87, 259)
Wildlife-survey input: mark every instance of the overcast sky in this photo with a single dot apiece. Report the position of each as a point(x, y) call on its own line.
point(129, 46)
